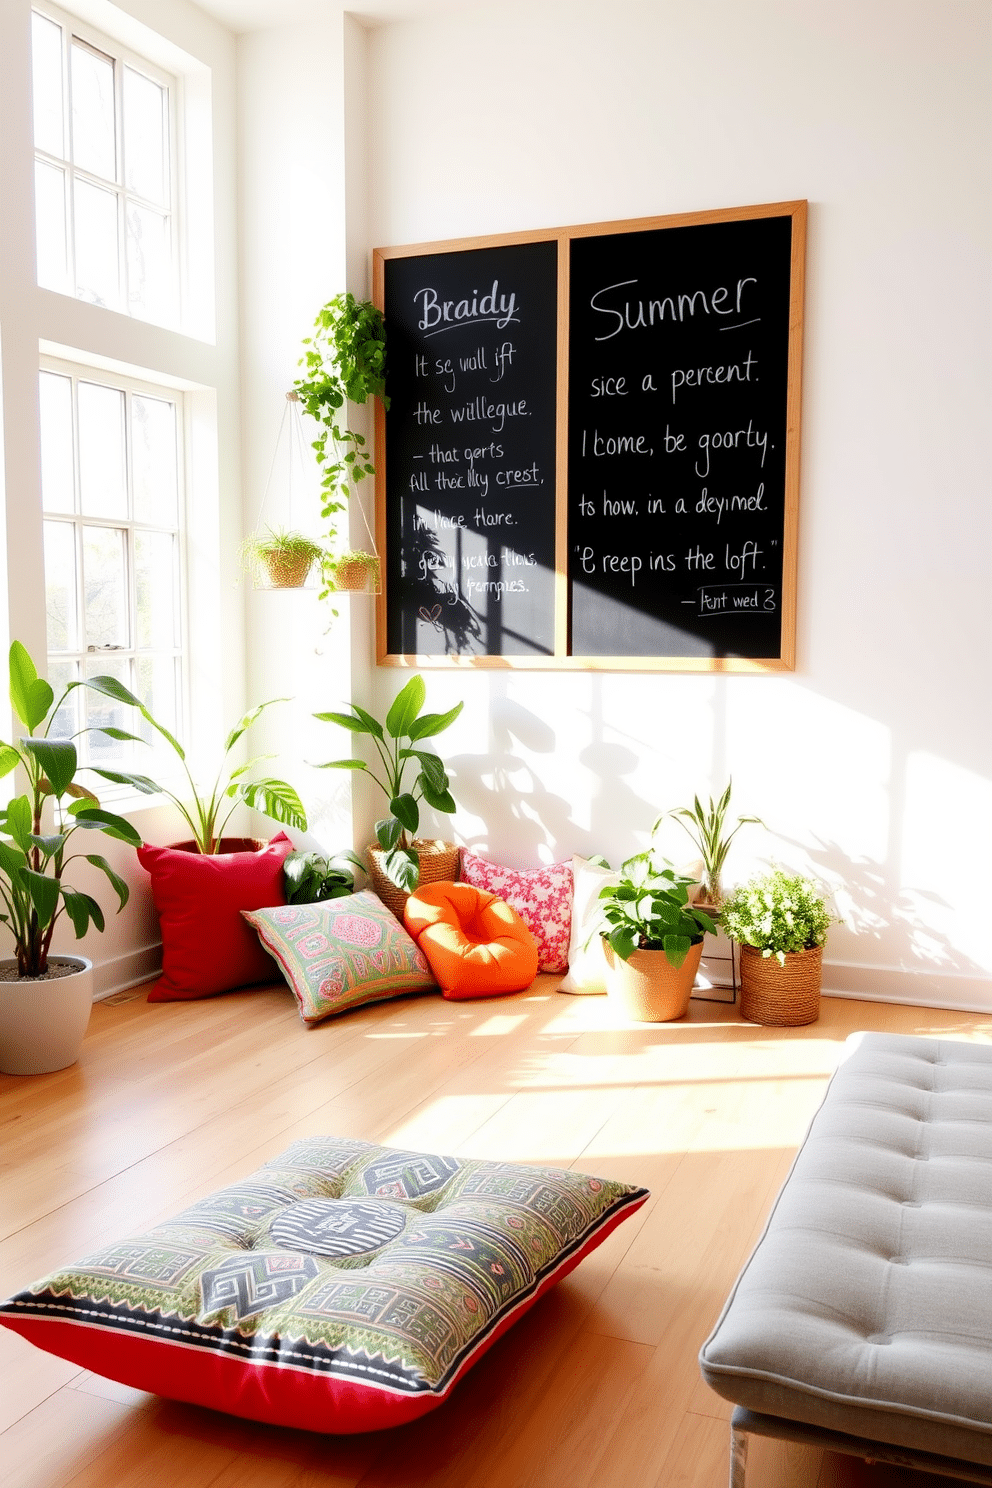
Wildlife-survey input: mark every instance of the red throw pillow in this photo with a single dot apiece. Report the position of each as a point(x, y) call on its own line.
point(206, 946)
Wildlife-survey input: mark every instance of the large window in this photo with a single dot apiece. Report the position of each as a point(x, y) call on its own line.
point(104, 133)
point(112, 489)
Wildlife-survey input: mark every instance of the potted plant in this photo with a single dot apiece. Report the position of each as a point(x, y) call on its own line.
point(399, 860)
point(208, 811)
point(284, 558)
point(45, 1000)
point(355, 570)
point(344, 361)
point(781, 921)
point(310, 877)
point(653, 939)
point(706, 825)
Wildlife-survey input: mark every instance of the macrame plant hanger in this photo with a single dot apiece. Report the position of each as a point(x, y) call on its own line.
point(279, 568)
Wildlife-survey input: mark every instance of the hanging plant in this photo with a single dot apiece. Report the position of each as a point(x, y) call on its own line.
point(344, 361)
point(283, 558)
point(356, 571)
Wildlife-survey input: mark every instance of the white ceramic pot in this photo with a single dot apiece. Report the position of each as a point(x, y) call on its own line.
point(43, 1021)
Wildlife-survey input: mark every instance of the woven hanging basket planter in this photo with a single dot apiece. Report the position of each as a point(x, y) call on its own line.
point(647, 988)
point(781, 996)
point(286, 570)
point(357, 576)
point(439, 863)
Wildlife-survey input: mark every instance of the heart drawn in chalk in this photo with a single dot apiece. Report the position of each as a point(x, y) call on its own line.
point(431, 616)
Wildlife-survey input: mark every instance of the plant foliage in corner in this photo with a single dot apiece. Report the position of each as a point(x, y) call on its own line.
point(208, 812)
point(34, 856)
point(396, 744)
point(344, 362)
point(310, 878)
point(706, 826)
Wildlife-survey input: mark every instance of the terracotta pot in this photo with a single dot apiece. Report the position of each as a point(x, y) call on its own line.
point(43, 1021)
point(227, 845)
point(287, 570)
point(648, 988)
point(439, 863)
point(781, 996)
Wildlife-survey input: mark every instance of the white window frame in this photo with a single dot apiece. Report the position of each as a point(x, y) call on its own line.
point(73, 29)
point(164, 768)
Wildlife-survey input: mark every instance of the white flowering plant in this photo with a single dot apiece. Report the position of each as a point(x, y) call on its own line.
point(778, 913)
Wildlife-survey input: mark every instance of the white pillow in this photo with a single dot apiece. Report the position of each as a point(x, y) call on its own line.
point(586, 965)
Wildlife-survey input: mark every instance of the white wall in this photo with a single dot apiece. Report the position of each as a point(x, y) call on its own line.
point(871, 763)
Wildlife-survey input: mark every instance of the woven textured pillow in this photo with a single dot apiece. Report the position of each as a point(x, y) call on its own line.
point(342, 953)
point(206, 945)
point(343, 1287)
point(476, 944)
point(541, 896)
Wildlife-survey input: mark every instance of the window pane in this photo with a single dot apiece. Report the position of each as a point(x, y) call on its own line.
point(66, 720)
point(60, 586)
point(145, 139)
point(105, 593)
point(149, 263)
point(157, 685)
point(46, 70)
point(103, 712)
point(153, 461)
point(102, 456)
point(55, 397)
point(49, 209)
point(94, 146)
point(97, 255)
point(155, 589)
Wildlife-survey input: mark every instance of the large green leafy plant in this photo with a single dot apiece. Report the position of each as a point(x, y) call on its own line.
point(344, 362)
point(36, 854)
point(209, 809)
point(649, 910)
point(778, 913)
point(396, 743)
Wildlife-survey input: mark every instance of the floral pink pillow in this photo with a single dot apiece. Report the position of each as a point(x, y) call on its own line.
point(542, 898)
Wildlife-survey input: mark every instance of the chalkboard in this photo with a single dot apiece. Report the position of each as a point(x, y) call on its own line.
point(678, 382)
point(591, 457)
point(470, 450)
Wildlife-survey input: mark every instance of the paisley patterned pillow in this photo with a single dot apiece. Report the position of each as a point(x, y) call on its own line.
point(542, 898)
point(342, 953)
point(342, 1287)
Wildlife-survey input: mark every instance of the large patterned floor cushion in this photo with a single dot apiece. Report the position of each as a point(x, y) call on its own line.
point(476, 944)
point(343, 1287)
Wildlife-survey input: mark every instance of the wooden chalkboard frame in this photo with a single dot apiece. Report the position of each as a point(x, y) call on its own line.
point(562, 659)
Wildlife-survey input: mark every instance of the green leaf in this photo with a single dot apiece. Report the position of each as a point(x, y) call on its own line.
point(387, 832)
point(117, 883)
point(44, 891)
point(402, 868)
point(346, 764)
point(431, 766)
point(405, 706)
point(9, 759)
point(676, 948)
point(48, 846)
point(126, 777)
point(114, 733)
point(17, 821)
point(406, 809)
point(12, 860)
point(624, 942)
point(110, 687)
point(275, 799)
point(434, 723)
point(57, 757)
point(81, 909)
point(246, 722)
point(356, 724)
point(95, 818)
point(30, 694)
point(440, 800)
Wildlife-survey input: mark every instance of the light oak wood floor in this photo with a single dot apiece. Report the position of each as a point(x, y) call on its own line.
point(597, 1385)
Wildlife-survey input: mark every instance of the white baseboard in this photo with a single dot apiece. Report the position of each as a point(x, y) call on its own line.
point(126, 971)
point(954, 991)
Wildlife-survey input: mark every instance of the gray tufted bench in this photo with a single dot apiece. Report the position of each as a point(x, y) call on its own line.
point(863, 1321)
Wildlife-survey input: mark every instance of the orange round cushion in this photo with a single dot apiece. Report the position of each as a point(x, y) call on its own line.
point(477, 946)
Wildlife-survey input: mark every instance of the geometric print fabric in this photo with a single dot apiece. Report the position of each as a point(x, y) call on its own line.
point(342, 1287)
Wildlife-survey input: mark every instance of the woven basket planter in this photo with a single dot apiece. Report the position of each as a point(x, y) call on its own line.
point(357, 576)
point(439, 863)
point(647, 988)
point(287, 570)
point(781, 996)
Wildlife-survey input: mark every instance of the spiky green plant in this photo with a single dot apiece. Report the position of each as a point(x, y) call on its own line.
point(706, 825)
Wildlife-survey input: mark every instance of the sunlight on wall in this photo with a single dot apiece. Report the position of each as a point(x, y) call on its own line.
point(945, 872)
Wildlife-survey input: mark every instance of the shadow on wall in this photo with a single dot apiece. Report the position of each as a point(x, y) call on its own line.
point(525, 822)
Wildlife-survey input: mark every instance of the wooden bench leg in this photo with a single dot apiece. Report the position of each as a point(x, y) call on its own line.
point(738, 1457)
